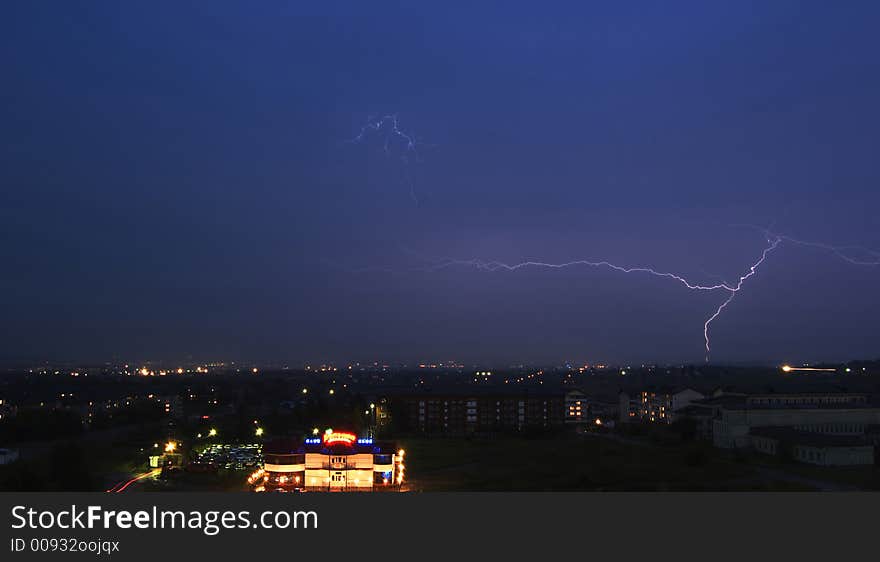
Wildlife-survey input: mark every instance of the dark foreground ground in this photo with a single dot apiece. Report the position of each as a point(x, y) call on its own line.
point(651, 460)
point(610, 462)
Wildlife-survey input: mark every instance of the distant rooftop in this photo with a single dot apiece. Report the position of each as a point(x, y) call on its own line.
point(810, 439)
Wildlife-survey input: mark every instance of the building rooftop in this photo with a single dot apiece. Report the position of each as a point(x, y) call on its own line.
point(290, 446)
point(810, 439)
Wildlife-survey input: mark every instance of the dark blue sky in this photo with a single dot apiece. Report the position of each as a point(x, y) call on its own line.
point(175, 180)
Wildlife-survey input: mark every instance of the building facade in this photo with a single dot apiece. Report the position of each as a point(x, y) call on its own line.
point(453, 414)
point(336, 461)
point(813, 448)
point(838, 414)
point(656, 406)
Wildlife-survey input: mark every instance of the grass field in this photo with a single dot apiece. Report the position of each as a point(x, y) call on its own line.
point(579, 463)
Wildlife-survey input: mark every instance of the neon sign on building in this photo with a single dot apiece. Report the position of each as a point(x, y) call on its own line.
point(340, 437)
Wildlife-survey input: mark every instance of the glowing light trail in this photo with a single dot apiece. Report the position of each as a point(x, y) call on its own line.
point(122, 486)
point(789, 369)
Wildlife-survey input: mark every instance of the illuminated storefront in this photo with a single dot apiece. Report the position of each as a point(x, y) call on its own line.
point(335, 461)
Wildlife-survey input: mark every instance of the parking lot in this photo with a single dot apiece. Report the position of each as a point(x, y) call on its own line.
point(232, 457)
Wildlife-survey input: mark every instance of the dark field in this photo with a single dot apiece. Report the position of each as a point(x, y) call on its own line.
point(606, 462)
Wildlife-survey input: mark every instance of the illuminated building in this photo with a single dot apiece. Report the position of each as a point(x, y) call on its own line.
point(576, 408)
point(656, 406)
point(335, 461)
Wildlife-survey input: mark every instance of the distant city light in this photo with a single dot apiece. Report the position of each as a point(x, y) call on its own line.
point(789, 369)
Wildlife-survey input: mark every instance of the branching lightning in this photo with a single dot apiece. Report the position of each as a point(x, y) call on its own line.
point(731, 289)
point(773, 241)
point(394, 141)
point(864, 257)
point(397, 141)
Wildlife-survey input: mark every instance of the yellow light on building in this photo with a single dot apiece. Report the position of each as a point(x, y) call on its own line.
point(170, 447)
point(212, 432)
point(259, 431)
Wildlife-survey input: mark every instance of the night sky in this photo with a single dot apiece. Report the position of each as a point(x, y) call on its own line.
point(176, 180)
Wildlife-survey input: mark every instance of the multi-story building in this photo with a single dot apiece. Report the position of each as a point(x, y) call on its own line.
point(837, 414)
point(487, 412)
point(813, 448)
point(577, 410)
point(337, 461)
point(656, 406)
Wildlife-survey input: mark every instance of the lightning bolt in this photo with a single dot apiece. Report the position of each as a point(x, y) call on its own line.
point(731, 289)
point(868, 257)
point(864, 256)
point(773, 241)
point(393, 137)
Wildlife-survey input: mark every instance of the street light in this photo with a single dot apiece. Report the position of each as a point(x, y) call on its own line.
point(259, 431)
point(212, 432)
